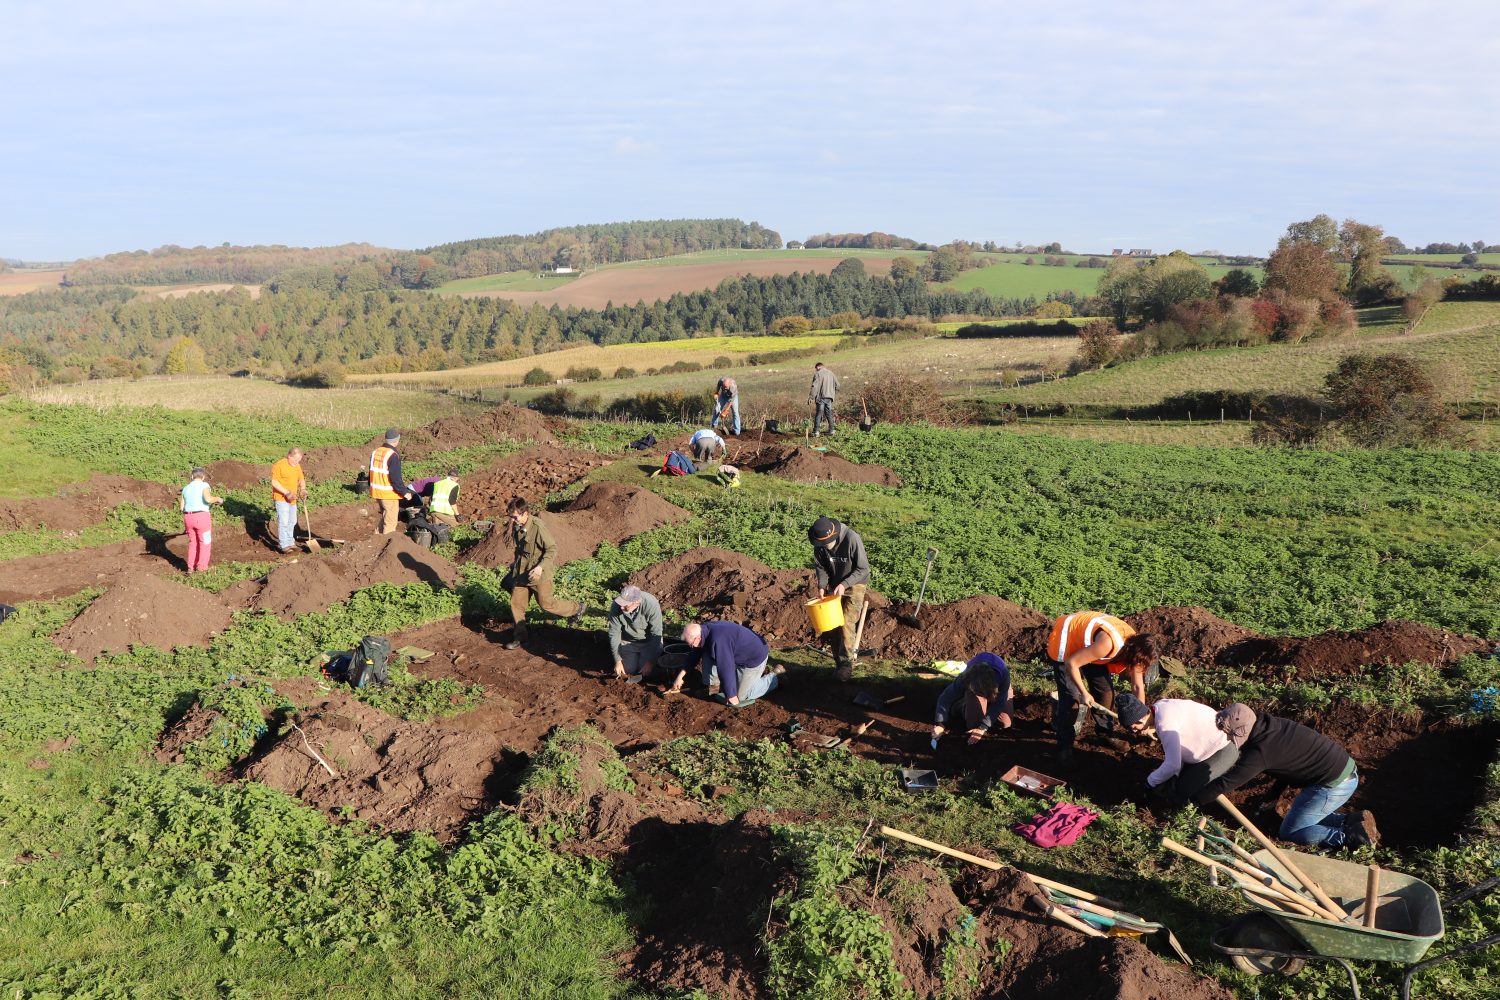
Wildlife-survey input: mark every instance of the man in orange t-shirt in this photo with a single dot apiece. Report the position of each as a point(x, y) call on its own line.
point(288, 485)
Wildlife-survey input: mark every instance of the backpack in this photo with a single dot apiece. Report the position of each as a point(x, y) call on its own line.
point(369, 662)
point(6, 611)
point(678, 464)
point(641, 444)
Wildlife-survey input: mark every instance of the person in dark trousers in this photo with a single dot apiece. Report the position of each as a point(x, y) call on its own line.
point(1088, 648)
point(635, 633)
point(825, 386)
point(531, 571)
point(732, 656)
point(1298, 757)
point(981, 698)
point(842, 570)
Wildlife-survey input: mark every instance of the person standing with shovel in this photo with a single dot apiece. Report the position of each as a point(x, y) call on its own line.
point(1088, 648)
point(843, 571)
point(288, 487)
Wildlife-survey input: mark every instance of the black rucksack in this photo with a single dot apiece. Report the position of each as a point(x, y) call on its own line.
point(370, 662)
point(6, 611)
point(641, 444)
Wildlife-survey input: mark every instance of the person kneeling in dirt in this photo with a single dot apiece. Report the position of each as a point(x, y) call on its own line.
point(531, 572)
point(843, 570)
point(1194, 750)
point(706, 445)
point(1295, 756)
point(732, 656)
point(983, 696)
point(635, 639)
point(1088, 648)
point(441, 497)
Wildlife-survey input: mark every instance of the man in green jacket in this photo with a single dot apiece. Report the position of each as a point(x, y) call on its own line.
point(531, 571)
point(635, 634)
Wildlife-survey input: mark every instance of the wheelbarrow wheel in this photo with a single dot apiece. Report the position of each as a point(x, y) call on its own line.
point(1255, 931)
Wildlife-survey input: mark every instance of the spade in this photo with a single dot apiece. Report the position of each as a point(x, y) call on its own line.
point(911, 620)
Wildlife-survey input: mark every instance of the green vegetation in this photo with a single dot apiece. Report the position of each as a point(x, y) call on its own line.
point(510, 281)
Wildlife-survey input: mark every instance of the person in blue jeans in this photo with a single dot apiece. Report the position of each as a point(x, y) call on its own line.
point(1295, 756)
point(732, 656)
point(726, 401)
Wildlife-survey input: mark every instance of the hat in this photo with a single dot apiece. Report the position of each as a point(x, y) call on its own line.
point(1236, 721)
point(822, 529)
point(629, 595)
point(393, 435)
point(199, 471)
point(1130, 709)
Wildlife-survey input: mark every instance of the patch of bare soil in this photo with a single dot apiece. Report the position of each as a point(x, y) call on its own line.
point(314, 583)
point(505, 422)
point(735, 587)
point(959, 630)
point(144, 610)
point(1194, 635)
point(601, 817)
point(232, 475)
point(532, 473)
point(335, 463)
point(807, 465)
point(1390, 642)
point(79, 505)
point(606, 511)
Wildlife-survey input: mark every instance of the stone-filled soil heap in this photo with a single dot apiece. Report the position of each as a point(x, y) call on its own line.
point(605, 511)
point(531, 473)
point(79, 505)
point(805, 464)
point(500, 423)
point(143, 610)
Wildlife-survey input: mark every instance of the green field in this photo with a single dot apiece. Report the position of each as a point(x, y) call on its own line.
point(1488, 257)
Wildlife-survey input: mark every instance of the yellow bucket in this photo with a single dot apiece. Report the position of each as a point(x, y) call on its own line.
point(825, 613)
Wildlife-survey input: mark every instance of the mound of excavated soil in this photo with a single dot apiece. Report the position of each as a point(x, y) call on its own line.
point(958, 630)
point(232, 475)
point(602, 817)
point(809, 466)
point(335, 463)
point(1390, 642)
point(79, 505)
point(317, 582)
point(735, 587)
point(532, 474)
point(144, 610)
point(1192, 634)
point(397, 775)
point(503, 422)
point(602, 512)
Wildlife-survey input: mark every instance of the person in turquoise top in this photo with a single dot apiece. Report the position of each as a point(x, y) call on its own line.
point(196, 496)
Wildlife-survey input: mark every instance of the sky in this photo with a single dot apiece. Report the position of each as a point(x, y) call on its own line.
point(1209, 126)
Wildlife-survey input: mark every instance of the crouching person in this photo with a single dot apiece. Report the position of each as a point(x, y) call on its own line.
point(635, 640)
point(1194, 750)
point(981, 698)
point(732, 656)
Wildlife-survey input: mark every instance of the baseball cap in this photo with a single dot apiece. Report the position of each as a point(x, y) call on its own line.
point(1236, 721)
point(629, 595)
point(822, 529)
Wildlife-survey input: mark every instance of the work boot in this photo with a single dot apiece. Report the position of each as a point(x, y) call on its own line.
point(513, 644)
point(577, 618)
point(1359, 829)
point(843, 671)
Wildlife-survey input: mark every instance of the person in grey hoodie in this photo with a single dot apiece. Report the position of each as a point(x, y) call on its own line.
point(825, 386)
point(842, 570)
point(635, 640)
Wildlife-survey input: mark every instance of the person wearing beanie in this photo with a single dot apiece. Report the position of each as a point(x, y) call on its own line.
point(1088, 648)
point(1296, 757)
point(842, 570)
point(981, 697)
point(196, 520)
point(387, 488)
point(1194, 750)
point(635, 634)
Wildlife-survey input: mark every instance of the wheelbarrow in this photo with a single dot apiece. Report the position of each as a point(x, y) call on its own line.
point(1409, 918)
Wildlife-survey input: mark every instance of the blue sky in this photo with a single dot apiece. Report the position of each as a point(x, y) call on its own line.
point(1150, 124)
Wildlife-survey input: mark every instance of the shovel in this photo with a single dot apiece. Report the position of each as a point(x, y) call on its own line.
point(313, 545)
point(911, 620)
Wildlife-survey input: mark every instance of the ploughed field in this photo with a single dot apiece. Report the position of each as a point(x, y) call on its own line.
point(192, 806)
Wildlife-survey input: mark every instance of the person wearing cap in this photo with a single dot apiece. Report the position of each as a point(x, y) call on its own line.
point(1194, 750)
point(842, 570)
point(726, 401)
point(732, 656)
point(531, 571)
point(1297, 757)
point(635, 633)
point(982, 696)
point(1088, 648)
point(825, 386)
point(288, 486)
point(705, 445)
point(197, 523)
point(386, 485)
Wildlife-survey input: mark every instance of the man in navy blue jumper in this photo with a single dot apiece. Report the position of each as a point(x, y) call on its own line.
point(731, 655)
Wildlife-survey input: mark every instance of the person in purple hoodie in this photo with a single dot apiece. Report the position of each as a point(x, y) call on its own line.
point(729, 654)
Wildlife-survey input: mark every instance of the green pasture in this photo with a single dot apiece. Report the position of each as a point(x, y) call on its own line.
point(716, 256)
point(1488, 257)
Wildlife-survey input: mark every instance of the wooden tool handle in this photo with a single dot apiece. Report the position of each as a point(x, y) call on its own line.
point(931, 845)
point(1241, 873)
point(1071, 921)
point(1281, 856)
point(1372, 895)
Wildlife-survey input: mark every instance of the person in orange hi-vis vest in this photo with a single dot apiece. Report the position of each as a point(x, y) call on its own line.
point(1089, 648)
point(386, 485)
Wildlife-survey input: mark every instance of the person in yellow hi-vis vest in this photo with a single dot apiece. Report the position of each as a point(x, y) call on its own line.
point(1088, 648)
point(442, 499)
point(386, 485)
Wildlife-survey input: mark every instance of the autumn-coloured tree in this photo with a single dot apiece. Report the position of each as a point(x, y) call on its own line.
point(1387, 400)
point(1363, 246)
point(1098, 343)
point(1303, 269)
